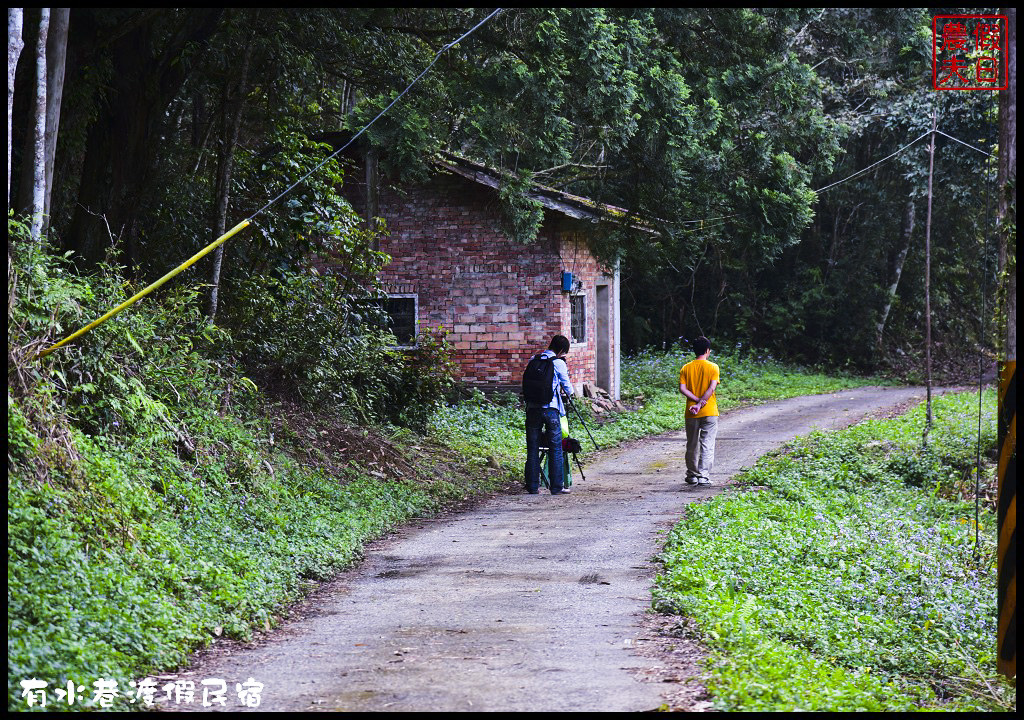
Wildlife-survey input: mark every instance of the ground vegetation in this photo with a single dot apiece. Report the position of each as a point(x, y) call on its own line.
point(848, 572)
point(158, 496)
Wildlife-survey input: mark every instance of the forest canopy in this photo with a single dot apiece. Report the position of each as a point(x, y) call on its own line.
point(719, 126)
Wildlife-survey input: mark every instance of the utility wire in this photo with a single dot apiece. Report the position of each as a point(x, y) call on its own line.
point(908, 145)
point(379, 115)
point(963, 143)
point(722, 217)
point(887, 157)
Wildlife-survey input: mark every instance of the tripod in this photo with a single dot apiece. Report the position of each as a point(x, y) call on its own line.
point(568, 401)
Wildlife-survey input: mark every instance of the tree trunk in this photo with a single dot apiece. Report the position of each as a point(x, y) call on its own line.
point(1007, 186)
point(225, 160)
point(56, 54)
point(897, 270)
point(39, 135)
point(1007, 425)
point(148, 69)
point(14, 45)
point(372, 188)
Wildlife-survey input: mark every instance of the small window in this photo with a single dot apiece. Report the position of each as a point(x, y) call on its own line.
point(401, 313)
point(578, 318)
point(396, 313)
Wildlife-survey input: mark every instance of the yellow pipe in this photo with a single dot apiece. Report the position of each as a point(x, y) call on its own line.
point(142, 293)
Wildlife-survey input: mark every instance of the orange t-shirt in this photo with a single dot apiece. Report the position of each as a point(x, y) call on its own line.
point(697, 376)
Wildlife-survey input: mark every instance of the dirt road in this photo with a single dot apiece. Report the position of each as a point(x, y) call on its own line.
point(526, 603)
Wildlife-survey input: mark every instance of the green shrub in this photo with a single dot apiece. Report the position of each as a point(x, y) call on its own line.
point(150, 507)
point(426, 380)
point(302, 335)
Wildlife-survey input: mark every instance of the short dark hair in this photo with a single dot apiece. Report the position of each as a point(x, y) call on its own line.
point(701, 345)
point(560, 344)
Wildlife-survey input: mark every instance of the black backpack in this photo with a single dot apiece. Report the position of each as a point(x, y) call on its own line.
point(539, 380)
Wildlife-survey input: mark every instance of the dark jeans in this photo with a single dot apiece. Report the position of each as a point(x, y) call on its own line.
point(546, 424)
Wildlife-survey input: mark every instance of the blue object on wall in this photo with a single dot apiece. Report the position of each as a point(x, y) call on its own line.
point(566, 282)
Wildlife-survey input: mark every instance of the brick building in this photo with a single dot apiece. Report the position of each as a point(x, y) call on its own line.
point(499, 301)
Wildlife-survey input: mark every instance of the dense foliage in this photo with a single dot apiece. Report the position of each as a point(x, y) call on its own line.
point(851, 289)
point(848, 578)
point(716, 126)
point(156, 499)
point(302, 337)
point(673, 113)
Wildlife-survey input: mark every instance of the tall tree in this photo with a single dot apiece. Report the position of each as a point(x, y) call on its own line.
point(146, 55)
point(39, 129)
point(1007, 184)
point(15, 43)
point(56, 55)
point(232, 105)
point(1007, 212)
point(899, 258)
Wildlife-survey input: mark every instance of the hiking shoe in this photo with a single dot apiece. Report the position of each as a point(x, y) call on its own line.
point(691, 480)
point(703, 481)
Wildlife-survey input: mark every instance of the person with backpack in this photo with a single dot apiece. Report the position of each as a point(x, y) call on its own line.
point(545, 380)
point(697, 382)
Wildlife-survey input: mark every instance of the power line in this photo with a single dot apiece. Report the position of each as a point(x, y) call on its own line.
point(379, 115)
point(888, 157)
point(908, 145)
point(722, 217)
point(963, 143)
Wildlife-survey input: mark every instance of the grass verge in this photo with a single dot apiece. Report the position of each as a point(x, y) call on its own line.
point(850, 579)
point(143, 557)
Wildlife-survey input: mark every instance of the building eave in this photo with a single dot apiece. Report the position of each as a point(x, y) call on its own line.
point(574, 206)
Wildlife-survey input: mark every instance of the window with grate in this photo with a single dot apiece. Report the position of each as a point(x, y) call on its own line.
point(396, 313)
point(578, 318)
point(401, 311)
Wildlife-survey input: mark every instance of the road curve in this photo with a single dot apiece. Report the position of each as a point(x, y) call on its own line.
point(525, 603)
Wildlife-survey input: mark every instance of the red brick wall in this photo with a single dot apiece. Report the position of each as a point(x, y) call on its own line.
point(499, 302)
point(577, 258)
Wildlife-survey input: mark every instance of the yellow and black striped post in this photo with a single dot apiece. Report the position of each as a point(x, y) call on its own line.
point(1008, 519)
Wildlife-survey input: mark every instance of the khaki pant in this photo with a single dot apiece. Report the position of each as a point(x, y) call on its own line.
point(700, 447)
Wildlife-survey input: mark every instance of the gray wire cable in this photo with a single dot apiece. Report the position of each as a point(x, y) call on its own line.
point(887, 157)
point(963, 143)
point(333, 155)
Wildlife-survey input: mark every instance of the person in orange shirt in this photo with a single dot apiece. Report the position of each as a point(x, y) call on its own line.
point(697, 382)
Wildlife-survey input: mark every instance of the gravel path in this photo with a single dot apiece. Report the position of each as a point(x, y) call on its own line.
point(525, 603)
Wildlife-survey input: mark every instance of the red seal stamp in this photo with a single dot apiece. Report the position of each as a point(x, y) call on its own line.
point(969, 52)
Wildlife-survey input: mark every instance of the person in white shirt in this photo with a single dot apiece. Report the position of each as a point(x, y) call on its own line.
point(546, 418)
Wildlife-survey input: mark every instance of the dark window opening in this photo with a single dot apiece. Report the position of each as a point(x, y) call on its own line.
point(401, 312)
point(578, 318)
point(395, 313)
